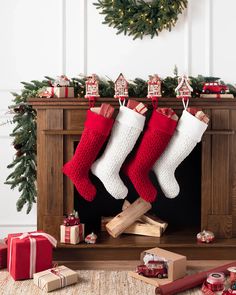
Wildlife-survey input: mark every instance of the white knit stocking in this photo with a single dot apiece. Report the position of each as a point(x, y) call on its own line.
point(188, 133)
point(125, 132)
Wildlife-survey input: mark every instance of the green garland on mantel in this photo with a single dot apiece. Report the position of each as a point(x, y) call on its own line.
point(24, 164)
point(138, 18)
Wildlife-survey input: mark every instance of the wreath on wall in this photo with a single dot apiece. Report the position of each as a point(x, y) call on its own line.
point(138, 18)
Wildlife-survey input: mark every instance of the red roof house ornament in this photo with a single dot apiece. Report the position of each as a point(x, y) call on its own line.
point(121, 88)
point(183, 90)
point(92, 91)
point(154, 89)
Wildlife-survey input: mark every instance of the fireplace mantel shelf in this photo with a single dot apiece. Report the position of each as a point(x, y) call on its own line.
point(82, 103)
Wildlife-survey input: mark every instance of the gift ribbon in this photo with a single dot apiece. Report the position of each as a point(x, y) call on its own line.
point(66, 92)
point(33, 248)
point(52, 91)
point(57, 272)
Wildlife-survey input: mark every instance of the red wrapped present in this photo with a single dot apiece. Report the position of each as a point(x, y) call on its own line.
point(106, 110)
point(3, 254)
point(29, 253)
point(168, 112)
point(138, 107)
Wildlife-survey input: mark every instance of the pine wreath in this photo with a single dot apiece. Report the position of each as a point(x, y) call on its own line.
point(138, 18)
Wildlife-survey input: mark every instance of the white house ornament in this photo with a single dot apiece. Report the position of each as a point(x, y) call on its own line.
point(92, 89)
point(183, 90)
point(61, 81)
point(121, 88)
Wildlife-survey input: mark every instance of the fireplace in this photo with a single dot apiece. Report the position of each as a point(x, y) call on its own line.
point(207, 179)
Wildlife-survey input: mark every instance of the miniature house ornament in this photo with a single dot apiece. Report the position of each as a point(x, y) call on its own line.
point(92, 91)
point(154, 89)
point(183, 90)
point(121, 88)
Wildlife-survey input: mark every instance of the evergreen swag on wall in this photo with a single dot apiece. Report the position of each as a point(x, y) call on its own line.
point(138, 18)
point(24, 164)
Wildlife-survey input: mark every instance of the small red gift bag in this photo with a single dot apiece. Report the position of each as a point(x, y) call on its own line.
point(29, 253)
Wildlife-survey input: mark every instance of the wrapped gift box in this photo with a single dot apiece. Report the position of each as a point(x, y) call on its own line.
point(55, 278)
point(29, 253)
point(72, 234)
point(3, 254)
point(176, 266)
point(62, 91)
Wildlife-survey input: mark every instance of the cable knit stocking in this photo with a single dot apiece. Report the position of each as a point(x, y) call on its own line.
point(188, 133)
point(96, 131)
point(127, 128)
point(155, 139)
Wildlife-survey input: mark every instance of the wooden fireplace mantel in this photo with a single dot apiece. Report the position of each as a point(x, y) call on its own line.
point(60, 123)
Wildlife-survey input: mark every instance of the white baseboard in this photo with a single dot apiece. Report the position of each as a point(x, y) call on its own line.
point(6, 229)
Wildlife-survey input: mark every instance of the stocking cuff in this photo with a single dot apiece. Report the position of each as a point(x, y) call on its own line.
point(162, 123)
point(130, 118)
point(98, 123)
point(191, 126)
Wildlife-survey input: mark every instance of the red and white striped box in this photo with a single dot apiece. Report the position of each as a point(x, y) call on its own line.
point(72, 234)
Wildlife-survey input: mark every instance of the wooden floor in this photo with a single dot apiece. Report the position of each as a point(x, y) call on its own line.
point(110, 279)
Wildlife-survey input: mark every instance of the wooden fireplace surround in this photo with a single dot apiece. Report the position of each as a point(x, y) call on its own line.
point(60, 123)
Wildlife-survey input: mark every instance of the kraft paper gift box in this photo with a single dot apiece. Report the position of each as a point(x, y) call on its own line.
point(72, 234)
point(55, 278)
point(3, 254)
point(29, 253)
point(176, 266)
point(61, 92)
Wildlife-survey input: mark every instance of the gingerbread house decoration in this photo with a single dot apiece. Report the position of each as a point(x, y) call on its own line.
point(92, 87)
point(121, 87)
point(183, 90)
point(154, 86)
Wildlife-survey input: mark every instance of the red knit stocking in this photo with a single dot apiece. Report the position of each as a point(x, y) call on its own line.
point(96, 131)
point(155, 139)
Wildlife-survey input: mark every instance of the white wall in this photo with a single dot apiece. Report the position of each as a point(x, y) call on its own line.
point(43, 37)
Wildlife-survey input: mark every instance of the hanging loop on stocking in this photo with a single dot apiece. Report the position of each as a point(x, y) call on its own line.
point(92, 101)
point(154, 102)
point(185, 103)
point(122, 101)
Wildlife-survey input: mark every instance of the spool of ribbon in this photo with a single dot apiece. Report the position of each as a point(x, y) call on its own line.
point(33, 248)
point(214, 283)
point(232, 274)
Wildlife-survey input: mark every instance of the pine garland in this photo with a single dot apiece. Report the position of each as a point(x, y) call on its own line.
point(24, 164)
point(139, 17)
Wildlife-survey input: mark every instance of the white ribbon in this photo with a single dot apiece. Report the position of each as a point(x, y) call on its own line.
point(33, 248)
